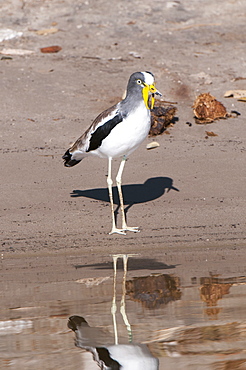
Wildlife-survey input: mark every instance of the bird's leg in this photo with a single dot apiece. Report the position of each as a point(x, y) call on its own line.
point(123, 300)
point(110, 184)
point(114, 307)
point(118, 182)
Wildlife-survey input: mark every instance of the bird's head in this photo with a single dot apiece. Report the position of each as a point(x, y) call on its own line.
point(146, 82)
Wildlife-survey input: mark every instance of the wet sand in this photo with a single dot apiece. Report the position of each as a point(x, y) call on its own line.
point(187, 196)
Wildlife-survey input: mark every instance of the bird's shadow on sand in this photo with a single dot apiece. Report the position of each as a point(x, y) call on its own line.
point(150, 190)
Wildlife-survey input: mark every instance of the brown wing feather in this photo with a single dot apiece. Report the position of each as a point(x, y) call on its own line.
point(81, 141)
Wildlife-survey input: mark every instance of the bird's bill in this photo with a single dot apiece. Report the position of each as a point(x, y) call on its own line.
point(147, 90)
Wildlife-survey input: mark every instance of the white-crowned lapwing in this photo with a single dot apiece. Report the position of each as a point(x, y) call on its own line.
point(117, 132)
point(111, 355)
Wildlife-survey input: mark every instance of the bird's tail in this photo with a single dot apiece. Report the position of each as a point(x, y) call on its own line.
point(72, 158)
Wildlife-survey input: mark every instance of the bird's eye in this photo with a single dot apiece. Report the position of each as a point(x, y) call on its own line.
point(139, 82)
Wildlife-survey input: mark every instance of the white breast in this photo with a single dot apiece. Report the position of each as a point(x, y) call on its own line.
point(127, 135)
point(137, 357)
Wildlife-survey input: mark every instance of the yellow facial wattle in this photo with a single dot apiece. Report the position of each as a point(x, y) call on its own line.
point(147, 90)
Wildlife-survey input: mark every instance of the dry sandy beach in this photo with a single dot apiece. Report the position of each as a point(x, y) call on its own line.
point(187, 196)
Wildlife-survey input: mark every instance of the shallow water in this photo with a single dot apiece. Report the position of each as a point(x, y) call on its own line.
point(194, 323)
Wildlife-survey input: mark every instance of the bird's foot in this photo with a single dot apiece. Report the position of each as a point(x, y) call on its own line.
point(117, 231)
point(129, 228)
point(123, 230)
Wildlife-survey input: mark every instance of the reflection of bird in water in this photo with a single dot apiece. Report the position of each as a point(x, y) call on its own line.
point(117, 356)
point(117, 132)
